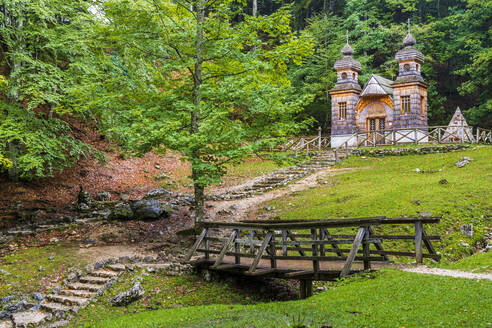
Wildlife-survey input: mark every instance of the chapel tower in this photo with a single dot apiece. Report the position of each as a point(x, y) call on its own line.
point(409, 89)
point(344, 96)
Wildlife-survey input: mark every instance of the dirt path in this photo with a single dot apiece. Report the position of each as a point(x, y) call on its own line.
point(448, 273)
point(98, 253)
point(241, 208)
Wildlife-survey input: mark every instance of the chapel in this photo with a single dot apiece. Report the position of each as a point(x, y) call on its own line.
point(381, 104)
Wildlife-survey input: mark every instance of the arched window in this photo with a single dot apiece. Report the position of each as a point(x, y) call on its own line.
point(344, 75)
point(353, 76)
point(406, 67)
point(418, 67)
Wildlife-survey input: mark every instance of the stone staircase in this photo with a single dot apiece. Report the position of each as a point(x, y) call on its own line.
point(57, 309)
point(281, 177)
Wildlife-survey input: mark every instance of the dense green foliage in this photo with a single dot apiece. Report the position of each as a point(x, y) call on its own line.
point(194, 81)
point(37, 45)
point(455, 37)
point(163, 76)
point(386, 299)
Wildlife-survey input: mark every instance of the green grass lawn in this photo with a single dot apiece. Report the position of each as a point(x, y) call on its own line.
point(161, 292)
point(24, 271)
point(387, 298)
point(479, 262)
point(388, 186)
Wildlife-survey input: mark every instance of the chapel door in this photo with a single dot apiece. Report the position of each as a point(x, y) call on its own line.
point(374, 126)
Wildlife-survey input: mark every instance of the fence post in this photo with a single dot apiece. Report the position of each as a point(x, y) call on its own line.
point(319, 138)
point(301, 145)
point(439, 135)
point(415, 136)
point(307, 150)
point(336, 155)
point(346, 149)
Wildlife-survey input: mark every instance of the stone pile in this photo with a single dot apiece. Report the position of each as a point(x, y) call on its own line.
point(280, 178)
point(80, 288)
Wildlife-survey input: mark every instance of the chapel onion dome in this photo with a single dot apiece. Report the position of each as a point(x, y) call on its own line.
point(409, 51)
point(347, 61)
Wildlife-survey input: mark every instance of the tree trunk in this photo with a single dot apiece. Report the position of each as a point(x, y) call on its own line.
point(195, 115)
point(255, 7)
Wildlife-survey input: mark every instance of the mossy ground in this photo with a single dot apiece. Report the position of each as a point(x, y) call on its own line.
point(162, 292)
point(24, 271)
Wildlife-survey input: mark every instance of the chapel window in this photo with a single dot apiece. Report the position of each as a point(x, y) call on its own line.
point(406, 67)
point(344, 75)
point(405, 104)
point(422, 104)
point(342, 110)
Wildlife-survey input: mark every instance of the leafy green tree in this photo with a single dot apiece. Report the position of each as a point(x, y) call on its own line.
point(36, 48)
point(201, 78)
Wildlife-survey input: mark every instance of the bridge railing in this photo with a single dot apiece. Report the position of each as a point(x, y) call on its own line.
point(250, 243)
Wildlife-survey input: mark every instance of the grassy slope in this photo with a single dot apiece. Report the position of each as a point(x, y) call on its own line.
point(388, 186)
point(479, 262)
point(387, 299)
point(23, 267)
point(161, 292)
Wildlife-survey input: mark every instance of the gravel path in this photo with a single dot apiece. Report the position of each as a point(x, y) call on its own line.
point(246, 206)
point(449, 273)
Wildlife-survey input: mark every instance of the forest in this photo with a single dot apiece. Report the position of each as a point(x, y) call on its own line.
point(260, 70)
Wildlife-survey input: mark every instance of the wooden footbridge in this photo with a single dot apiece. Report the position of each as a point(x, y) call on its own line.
point(308, 250)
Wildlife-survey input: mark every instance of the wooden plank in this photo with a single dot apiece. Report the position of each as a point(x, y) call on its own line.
point(230, 267)
point(334, 245)
point(237, 248)
point(322, 236)
point(260, 272)
point(266, 241)
point(378, 245)
point(321, 223)
point(225, 248)
point(427, 242)
point(308, 258)
point(314, 236)
point(293, 238)
point(365, 248)
point(196, 245)
point(326, 242)
point(273, 253)
point(418, 242)
point(252, 237)
point(353, 252)
point(409, 254)
point(299, 273)
point(284, 239)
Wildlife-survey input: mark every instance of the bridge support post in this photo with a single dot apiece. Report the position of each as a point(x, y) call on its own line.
point(305, 288)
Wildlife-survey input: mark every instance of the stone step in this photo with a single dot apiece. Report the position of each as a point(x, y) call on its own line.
point(94, 280)
point(105, 274)
point(83, 286)
point(57, 324)
point(117, 267)
point(58, 309)
point(156, 266)
point(78, 293)
point(68, 300)
point(29, 318)
point(6, 324)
